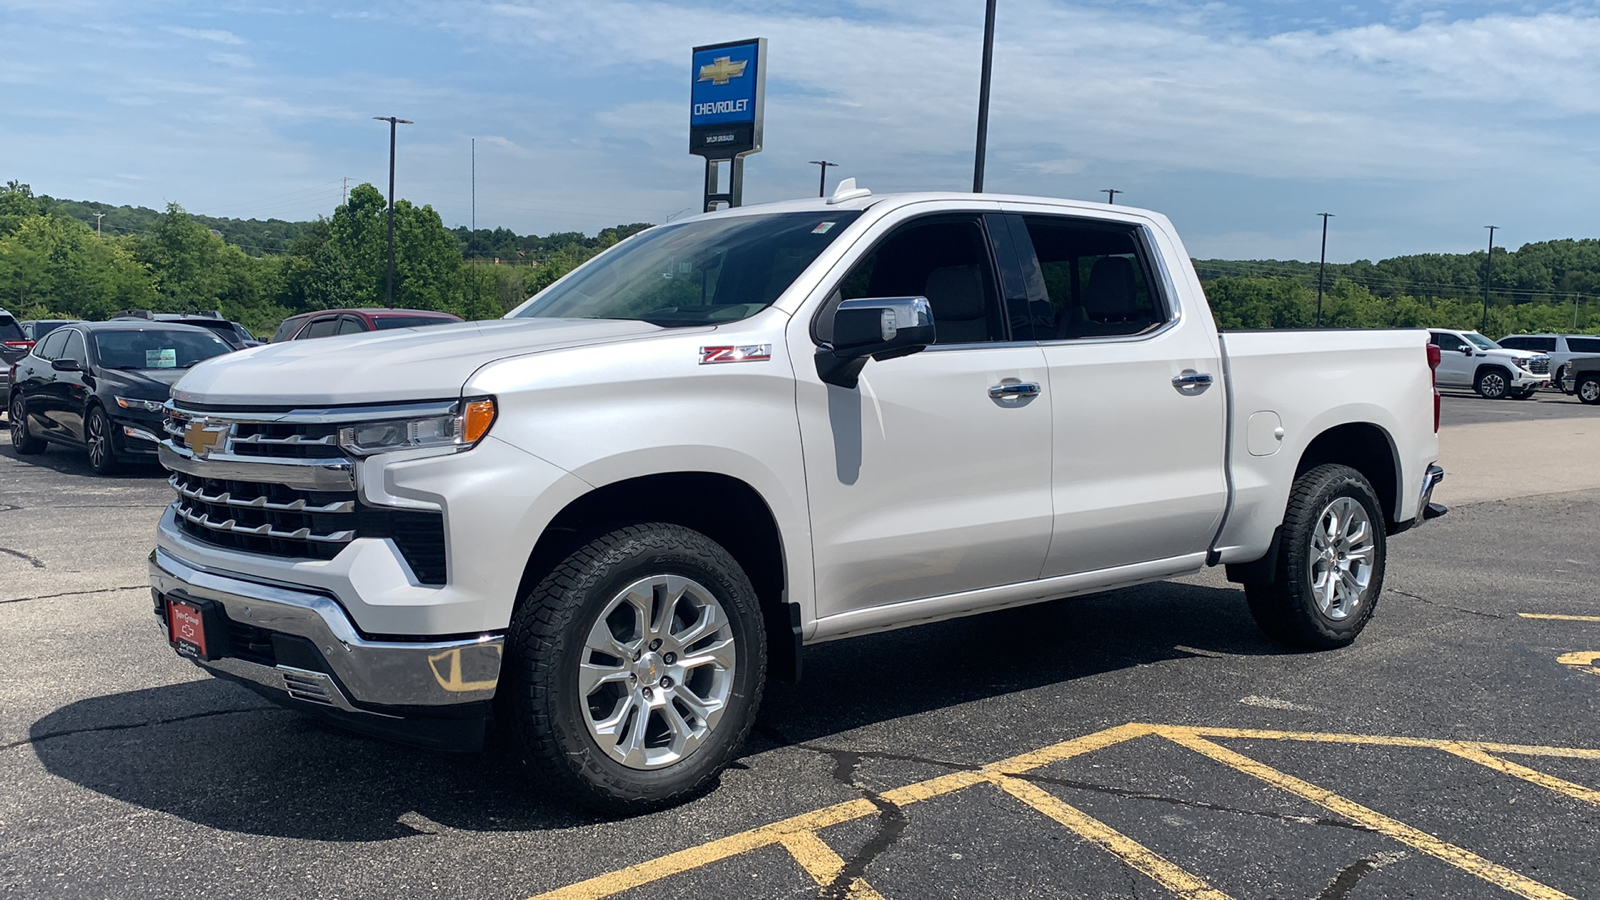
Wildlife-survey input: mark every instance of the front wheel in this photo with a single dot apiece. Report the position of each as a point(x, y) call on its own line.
point(97, 440)
point(1588, 389)
point(22, 439)
point(635, 669)
point(1492, 384)
point(1330, 562)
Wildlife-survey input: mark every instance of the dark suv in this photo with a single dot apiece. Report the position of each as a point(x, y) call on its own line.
point(329, 322)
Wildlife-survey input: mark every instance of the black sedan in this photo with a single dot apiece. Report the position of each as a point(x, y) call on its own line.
point(101, 386)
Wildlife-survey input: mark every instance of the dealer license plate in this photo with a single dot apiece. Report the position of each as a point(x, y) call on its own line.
point(188, 628)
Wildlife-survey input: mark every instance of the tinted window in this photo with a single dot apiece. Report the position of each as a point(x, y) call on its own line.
point(156, 348)
point(714, 270)
point(387, 322)
point(1446, 341)
point(947, 261)
point(349, 325)
point(51, 348)
point(40, 329)
point(1540, 344)
point(1517, 343)
point(1096, 277)
point(74, 348)
point(1583, 345)
point(10, 330)
point(287, 328)
point(319, 328)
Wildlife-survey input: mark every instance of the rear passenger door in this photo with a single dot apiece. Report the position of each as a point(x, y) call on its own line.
point(1136, 393)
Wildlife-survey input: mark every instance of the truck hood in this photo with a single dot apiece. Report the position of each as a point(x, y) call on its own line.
point(407, 364)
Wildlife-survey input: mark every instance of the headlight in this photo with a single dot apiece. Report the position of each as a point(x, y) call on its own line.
point(1520, 362)
point(150, 406)
point(462, 429)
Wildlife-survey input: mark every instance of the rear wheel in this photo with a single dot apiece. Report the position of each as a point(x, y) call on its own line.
point(22, 440)
point(97, 440)
point(1492, 383)
point(635, 669)
point(1330, 562)
point(1588, 389)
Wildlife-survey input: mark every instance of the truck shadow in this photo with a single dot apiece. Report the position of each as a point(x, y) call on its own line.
point(215, 754)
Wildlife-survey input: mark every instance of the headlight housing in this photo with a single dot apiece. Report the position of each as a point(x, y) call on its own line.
point(134, 403)
point(461, 428)
point(1520, 362)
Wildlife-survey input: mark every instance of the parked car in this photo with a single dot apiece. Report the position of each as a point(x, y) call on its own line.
point(1468, 359)
point(1582, 377)
point(610, 516)
point(1561, 348)
point(103, 386)
point(14, 344)
point(329, 322)
point(237, 336)
point(36, 329)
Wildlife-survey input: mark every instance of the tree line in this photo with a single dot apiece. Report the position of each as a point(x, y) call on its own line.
point(53, 264)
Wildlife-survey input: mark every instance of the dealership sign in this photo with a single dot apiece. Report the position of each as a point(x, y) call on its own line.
point(727, 87)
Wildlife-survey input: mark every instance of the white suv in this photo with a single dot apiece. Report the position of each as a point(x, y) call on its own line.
point(1562, 349)
point(1468, 359)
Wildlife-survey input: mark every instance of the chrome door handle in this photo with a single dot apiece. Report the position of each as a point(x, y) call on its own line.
point(1014, 389)
point(1192, 379)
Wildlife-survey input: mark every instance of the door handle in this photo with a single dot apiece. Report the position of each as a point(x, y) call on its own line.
point(1014, 389)
point(1192, 379)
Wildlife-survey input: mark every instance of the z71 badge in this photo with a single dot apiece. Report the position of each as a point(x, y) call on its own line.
point(747, 353)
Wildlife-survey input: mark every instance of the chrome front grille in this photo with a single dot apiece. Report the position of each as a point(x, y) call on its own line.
point(1539, 365)
point(265, 518)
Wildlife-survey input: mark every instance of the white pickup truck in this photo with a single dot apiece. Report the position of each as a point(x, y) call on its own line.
point(606, 519)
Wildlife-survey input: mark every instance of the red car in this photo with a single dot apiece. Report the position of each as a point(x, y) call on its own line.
point(327, 322)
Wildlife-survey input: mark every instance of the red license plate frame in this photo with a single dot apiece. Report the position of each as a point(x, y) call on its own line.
point(186, 624)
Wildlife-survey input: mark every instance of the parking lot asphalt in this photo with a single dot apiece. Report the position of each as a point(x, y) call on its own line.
point(1143, 743)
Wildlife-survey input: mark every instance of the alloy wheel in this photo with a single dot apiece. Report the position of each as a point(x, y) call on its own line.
point(1341, 558)
point(99, 442)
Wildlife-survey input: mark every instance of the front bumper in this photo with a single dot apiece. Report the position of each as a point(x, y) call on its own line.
point(301, 649)
point(1522, 378)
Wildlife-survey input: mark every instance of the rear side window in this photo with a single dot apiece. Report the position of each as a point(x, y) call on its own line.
point(1583, 345)
point(387, 322)
point(1537, 344)
point(51, 348)
point(350, 325)
point(1097, 277)
point(319, 328)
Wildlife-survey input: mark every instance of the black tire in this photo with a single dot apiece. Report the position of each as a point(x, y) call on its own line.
point(1588, 389)
point(1525, 394)
point(1287, 609)
point(1492, 383)
point(1556, 378)
point(552, 722)
point(98, 442)
point(22, 440)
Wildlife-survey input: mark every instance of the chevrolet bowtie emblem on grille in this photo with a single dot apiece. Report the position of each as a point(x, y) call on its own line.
point(722, 69)
point(201, 438)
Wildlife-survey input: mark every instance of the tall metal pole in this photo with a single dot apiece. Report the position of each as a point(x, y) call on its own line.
point(1111, 195)
point(1322, 267)
point(1488, 269)
point(822, 179)
point(389, 290)
point(983, 99)
point(474, 187)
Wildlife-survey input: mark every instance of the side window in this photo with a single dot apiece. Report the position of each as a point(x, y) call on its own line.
point(319, 328)
point(349, 325)
point(1517, 343)
point(74, 349)
point(1543, 345)
point(287, 328)
point(1097, 278)
point(51, 348)
point(1447, 342)
point(1583, 345)
point(945, 259)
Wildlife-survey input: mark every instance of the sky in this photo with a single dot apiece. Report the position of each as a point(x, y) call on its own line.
point(1414, 123)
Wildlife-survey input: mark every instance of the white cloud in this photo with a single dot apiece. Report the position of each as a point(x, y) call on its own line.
point(204, 34)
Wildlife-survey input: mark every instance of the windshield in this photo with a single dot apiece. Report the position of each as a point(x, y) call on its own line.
point(697, 273)
point(1482, 342)
point(156, 348)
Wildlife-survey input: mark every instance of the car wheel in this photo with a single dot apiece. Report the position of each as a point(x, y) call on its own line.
point(1492, 383)
point(22, 440)
point(1588, 389)
point(1556, 379)
point(634, 670)
point(97, 440)
point(1330, 563)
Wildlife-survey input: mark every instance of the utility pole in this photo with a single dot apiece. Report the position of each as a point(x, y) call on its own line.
point(344, 192)
point(983, 98)
point(389, 290)
point(822, 182)
point(474, 187)
point(1322, 267)
point(1488, 269)
point(1111, 195)
point(97, 217)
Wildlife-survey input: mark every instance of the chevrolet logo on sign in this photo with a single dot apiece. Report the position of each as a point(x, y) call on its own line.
point(201, 439)
point(722, 69)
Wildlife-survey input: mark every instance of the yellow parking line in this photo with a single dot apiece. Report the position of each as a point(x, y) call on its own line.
point(1583, 661)
point(822, 864)
point(1377, 740)
point(1179, 882)
point(1559, 785)
point(1461, 858)
point(1560, 618)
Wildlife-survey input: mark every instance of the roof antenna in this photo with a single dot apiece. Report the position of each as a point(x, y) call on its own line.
point(847, 190)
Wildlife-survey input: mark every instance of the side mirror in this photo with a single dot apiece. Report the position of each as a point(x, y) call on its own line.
point(65, 365)
point(877, 328)
point(1466, 350)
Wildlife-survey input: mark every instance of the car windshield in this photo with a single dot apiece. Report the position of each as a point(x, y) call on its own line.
point(696, 273)
point(1482, 342)
point(387, 322)
point(156, 348)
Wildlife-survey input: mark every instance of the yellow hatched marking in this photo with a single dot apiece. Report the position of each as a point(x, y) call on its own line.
point(1378, 741)
point(1559, 785)
point(1559, 618)
point(1180, 882)
point(1461, 858)
point(1583, 661)
point(822, 864)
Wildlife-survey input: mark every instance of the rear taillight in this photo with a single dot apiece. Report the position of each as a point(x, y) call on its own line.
point(1434, 358)
point(19, 345)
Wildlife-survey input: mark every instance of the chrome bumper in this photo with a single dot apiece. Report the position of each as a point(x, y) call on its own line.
point(364, 673)
point(1428, 509)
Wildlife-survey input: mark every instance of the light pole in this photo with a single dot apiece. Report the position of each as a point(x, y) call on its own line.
point(1111, 195)
point(389, 290)
point(822, 180)
point(983, 99)
point(1488, 268)
point(1322, 266)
